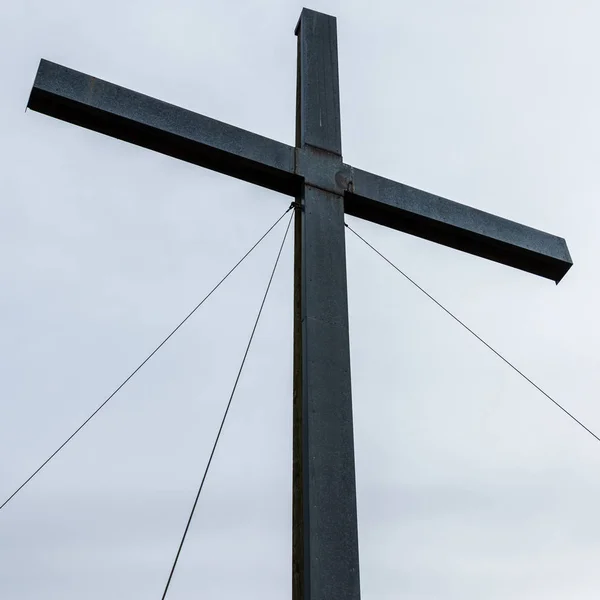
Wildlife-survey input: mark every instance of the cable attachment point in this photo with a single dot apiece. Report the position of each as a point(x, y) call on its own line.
point(297, 206)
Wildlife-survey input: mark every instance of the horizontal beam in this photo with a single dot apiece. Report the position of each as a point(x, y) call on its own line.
point(436, 219)
point(132, 117)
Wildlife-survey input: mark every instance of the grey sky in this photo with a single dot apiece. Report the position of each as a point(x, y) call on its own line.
point(470, 484)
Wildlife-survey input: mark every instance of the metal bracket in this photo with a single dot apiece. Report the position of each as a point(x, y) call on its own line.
point(323, 170)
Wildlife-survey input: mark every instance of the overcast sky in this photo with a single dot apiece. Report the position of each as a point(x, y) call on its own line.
point(470, 483)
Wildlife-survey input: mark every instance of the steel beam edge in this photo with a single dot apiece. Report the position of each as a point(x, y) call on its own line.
point(116, 111)
point(458, 226)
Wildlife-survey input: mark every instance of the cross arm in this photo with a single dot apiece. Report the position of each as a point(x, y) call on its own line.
point(110, 109)
point(437, 219)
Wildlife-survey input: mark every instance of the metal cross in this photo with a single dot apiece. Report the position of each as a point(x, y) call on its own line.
point(325, 540)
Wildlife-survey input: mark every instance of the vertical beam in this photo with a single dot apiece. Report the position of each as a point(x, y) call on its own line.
point(297, 475)
point(329, 490)
point(329, 551)
point(319, 94)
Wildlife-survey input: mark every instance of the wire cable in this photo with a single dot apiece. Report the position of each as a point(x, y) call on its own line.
point(214, 289)
point(237, 379)
point(537, 387)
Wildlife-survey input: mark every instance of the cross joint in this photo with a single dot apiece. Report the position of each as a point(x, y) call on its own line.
point(324, 170)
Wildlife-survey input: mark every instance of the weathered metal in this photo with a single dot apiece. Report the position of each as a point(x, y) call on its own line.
point(330, 536)
point(121, 113)
point(133, 117)
point(458, 226)
point(325, 540)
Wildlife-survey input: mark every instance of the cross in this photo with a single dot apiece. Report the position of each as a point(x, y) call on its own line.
point(325, 540)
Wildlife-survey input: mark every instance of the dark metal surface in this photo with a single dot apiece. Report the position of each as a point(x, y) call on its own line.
point(330, 551)
point(322, 169)
point(297, 460)
point(121, 113)
point(319, 101)
point(458, 226)
point(329, 491)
